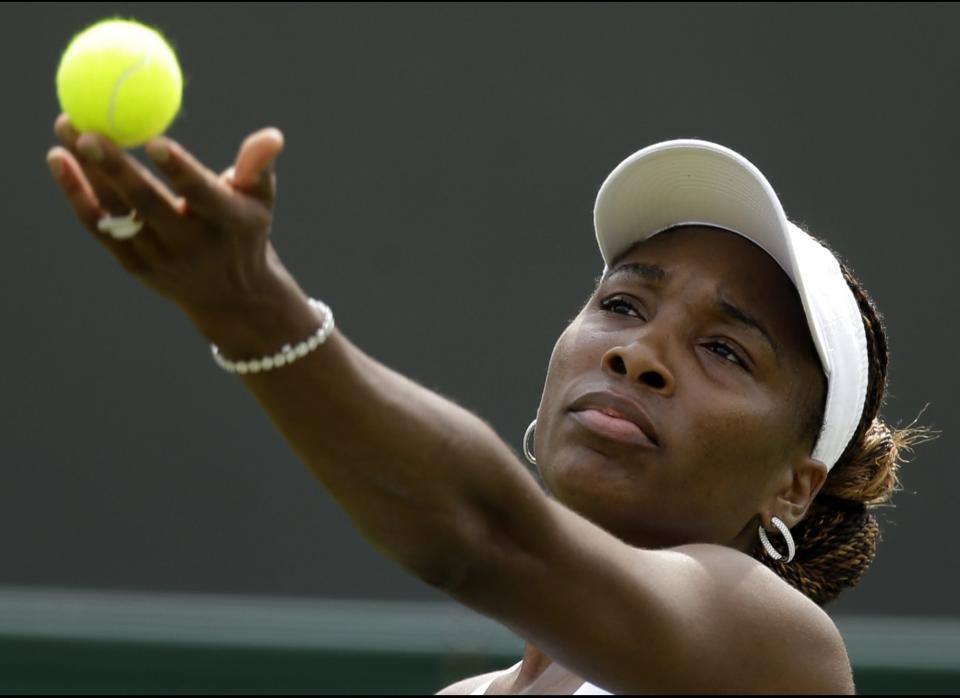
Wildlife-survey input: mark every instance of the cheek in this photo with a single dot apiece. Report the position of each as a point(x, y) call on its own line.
point(572, 359)
point(737, 436)
point(567, 360)
point(722, 467)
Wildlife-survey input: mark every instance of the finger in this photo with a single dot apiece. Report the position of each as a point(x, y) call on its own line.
point(146, 242)
point(107, 197)
point(227, 176)
point(205, 193)
point(83, 200)
point(135, 185)
point(65, 131)
point(254, 164)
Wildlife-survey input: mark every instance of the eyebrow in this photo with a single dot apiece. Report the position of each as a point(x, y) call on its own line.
point(658, 275)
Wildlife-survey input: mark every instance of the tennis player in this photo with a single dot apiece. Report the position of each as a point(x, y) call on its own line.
point(708, 444)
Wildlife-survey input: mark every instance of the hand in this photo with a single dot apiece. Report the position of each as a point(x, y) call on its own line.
point(205, 244)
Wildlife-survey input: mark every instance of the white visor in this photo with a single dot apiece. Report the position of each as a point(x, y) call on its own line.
point(688, 182)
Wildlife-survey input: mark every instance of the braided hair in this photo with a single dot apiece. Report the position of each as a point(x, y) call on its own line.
point(837, 539)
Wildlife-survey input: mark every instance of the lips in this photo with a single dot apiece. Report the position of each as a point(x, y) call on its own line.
point(620, 408)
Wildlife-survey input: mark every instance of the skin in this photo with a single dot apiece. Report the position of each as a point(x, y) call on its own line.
point(617, 542)
point(728, 426)
point(728, 422)
point(201, 222)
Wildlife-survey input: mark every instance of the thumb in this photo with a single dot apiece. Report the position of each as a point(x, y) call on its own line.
point(253, 169)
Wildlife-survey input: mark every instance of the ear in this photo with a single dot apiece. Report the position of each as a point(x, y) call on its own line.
point(800, 486)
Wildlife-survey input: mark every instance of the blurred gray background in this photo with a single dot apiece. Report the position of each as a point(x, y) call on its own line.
point(437, 190)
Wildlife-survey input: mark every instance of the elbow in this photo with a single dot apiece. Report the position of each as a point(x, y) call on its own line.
point(477, 555)
point(503, 515)
point(455, 552)
point(448, 576)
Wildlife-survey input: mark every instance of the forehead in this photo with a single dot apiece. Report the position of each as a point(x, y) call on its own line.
point(709, 261)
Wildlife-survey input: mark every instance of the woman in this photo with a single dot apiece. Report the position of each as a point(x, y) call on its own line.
point(722, 382)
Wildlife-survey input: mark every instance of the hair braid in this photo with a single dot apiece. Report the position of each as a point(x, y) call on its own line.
point(837, 539)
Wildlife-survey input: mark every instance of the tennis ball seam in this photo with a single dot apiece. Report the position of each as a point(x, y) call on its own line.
point(144, 62)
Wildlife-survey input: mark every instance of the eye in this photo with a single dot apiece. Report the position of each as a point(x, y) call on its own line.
point(618, 302)
point(727, 352)
point(721, 349)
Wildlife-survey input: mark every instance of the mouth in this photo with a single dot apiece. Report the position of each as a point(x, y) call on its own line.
point(615, 417)
point(613, 428)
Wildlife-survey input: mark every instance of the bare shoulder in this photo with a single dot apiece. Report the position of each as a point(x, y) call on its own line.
point(802, 635)
point(466, 686)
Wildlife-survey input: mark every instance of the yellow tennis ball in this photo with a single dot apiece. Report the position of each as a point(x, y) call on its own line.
point(120, 78)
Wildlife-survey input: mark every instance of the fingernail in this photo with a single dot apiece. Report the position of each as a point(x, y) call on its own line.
point(65, 131)
point(56, 167)
point(157, 151)
point(90, 149)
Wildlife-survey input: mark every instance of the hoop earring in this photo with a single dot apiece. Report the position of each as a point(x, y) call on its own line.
point(526, 449)
point(771, 551)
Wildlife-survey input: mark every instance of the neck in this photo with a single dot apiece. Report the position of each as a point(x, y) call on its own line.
point(746, 540)
point(534, 664)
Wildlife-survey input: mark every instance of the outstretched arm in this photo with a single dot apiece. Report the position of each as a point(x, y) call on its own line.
point(423, 479)
point(430, 484)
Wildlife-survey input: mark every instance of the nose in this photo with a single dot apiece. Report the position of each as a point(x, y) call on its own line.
point(638, 361)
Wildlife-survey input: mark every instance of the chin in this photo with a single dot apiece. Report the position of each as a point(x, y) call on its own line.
point(591, 487)
point(615, 499)
point(586, 467)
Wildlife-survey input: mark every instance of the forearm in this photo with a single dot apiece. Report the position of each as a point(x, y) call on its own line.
point(423, 479)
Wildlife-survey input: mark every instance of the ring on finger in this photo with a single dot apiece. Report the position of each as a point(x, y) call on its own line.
point(120, 227)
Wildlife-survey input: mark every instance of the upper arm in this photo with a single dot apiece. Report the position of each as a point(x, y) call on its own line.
point(696, 618)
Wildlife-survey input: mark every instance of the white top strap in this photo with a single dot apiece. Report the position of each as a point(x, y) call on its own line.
point(586, 688)
point(482, 688)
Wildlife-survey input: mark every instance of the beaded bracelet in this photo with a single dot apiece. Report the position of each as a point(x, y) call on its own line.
point(287, 354)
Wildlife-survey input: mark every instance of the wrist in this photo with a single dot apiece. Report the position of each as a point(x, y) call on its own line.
point(277, 314)
point(287, 354)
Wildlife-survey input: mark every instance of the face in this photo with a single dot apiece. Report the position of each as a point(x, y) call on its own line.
point(675, 327)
